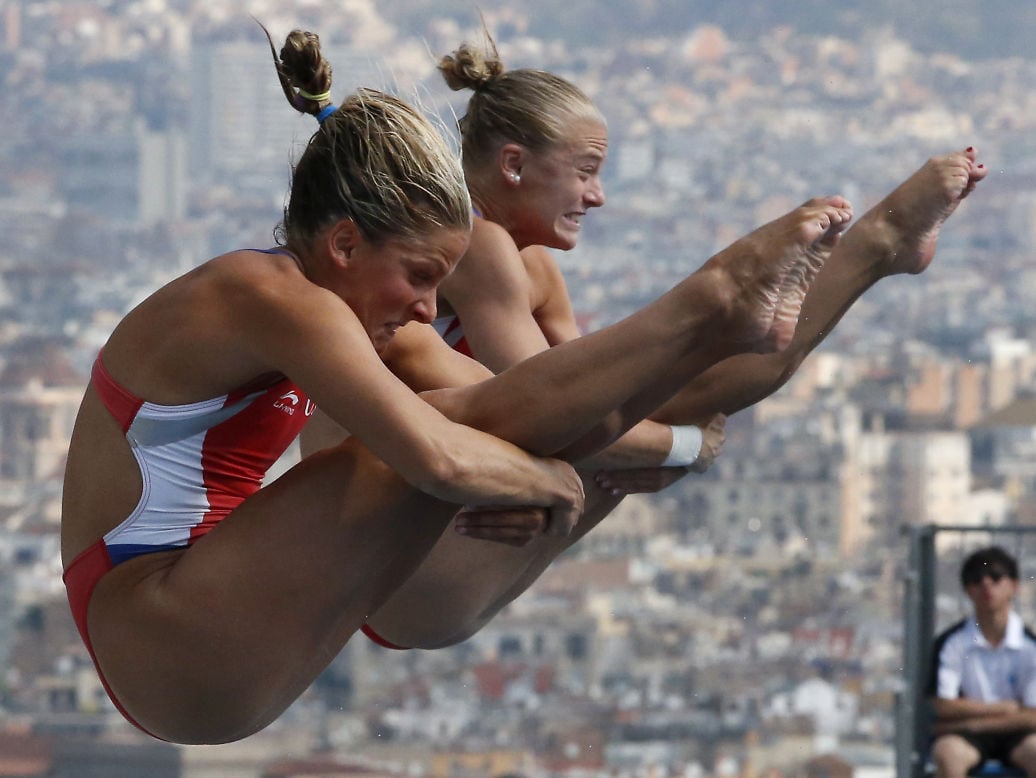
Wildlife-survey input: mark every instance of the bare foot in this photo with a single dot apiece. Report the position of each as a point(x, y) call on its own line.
point(906, 224)
point(772, 268)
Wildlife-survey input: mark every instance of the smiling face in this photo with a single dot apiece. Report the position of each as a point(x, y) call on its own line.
point(559, 186)
point(392, 283)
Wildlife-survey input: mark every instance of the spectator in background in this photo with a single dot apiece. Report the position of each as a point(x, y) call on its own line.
point(983, 676)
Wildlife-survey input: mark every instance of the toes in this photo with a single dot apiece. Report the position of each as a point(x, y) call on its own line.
point(978, 172)
point(824, 226)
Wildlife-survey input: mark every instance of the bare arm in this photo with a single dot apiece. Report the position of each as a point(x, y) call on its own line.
point(965, 708)
point(417, 356)
point(343, 374)
point(490, 291)
point(966, 715)
point(639, 480)
point(551, 305)
point(512, 306)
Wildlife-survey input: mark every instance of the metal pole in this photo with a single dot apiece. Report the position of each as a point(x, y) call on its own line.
point(906, 698)
point(925, 629)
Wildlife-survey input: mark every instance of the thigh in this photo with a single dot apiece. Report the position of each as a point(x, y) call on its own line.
point(213, 642)
point(1023, 752)
point(472, 580)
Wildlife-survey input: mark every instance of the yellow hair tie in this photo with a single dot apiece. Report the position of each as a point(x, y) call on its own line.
point(315, 98)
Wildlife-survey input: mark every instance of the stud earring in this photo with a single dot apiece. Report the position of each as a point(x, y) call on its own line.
point(516, 178)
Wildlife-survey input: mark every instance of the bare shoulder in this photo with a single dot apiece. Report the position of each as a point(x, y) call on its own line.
point(492, 261)
point(548, 293)
point(543, 271)
point(490, 238)
point(257, 274)
point(253, 287)
point(219, 325)
point(539, 260)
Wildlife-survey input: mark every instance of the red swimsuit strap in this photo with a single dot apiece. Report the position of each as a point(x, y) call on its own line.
point(121, 404)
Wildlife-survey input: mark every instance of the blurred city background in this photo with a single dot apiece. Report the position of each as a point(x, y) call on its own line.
point(747, 622)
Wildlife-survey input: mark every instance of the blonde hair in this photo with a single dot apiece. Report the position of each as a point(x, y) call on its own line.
point(530, 107)
point(375, 160)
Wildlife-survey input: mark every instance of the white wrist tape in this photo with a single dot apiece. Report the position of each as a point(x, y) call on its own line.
point(687, 440)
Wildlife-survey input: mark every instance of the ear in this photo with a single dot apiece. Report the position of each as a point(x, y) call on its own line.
point(342, 239)
point(512, 157)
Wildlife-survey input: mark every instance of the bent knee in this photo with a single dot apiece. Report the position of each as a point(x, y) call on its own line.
point(1024, 754)
point(952, 753)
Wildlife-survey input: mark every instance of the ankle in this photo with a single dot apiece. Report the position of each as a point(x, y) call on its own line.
point(868, 251)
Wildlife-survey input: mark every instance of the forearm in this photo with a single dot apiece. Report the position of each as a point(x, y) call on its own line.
point(1024, 719)
point(961, 708)
point(470, 467)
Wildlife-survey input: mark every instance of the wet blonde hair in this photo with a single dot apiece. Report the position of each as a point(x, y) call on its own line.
point(532, 108)
point(375, 160)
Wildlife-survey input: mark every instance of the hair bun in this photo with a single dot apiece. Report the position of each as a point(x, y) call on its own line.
point(470, 68)
point(304, 74)
point(304, 63)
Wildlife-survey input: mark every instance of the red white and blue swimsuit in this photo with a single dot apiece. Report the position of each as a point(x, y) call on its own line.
point(450, 330)
point(197, 462)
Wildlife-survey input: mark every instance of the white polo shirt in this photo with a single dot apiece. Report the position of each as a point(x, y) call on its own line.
point(966, 665)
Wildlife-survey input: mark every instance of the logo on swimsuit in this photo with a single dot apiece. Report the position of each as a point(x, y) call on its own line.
point(287, 402)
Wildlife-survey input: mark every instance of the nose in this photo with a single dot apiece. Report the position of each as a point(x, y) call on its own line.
point(595, 194)
point(425, 308)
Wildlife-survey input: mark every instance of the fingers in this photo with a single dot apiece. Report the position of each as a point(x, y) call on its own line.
point(504, 537)
point(568, 507)
point(645, 480)
point(514, 526)
point(714, 435)
point(517, 525)
point(563, 520)
point(717, 422)
point(703, 463)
